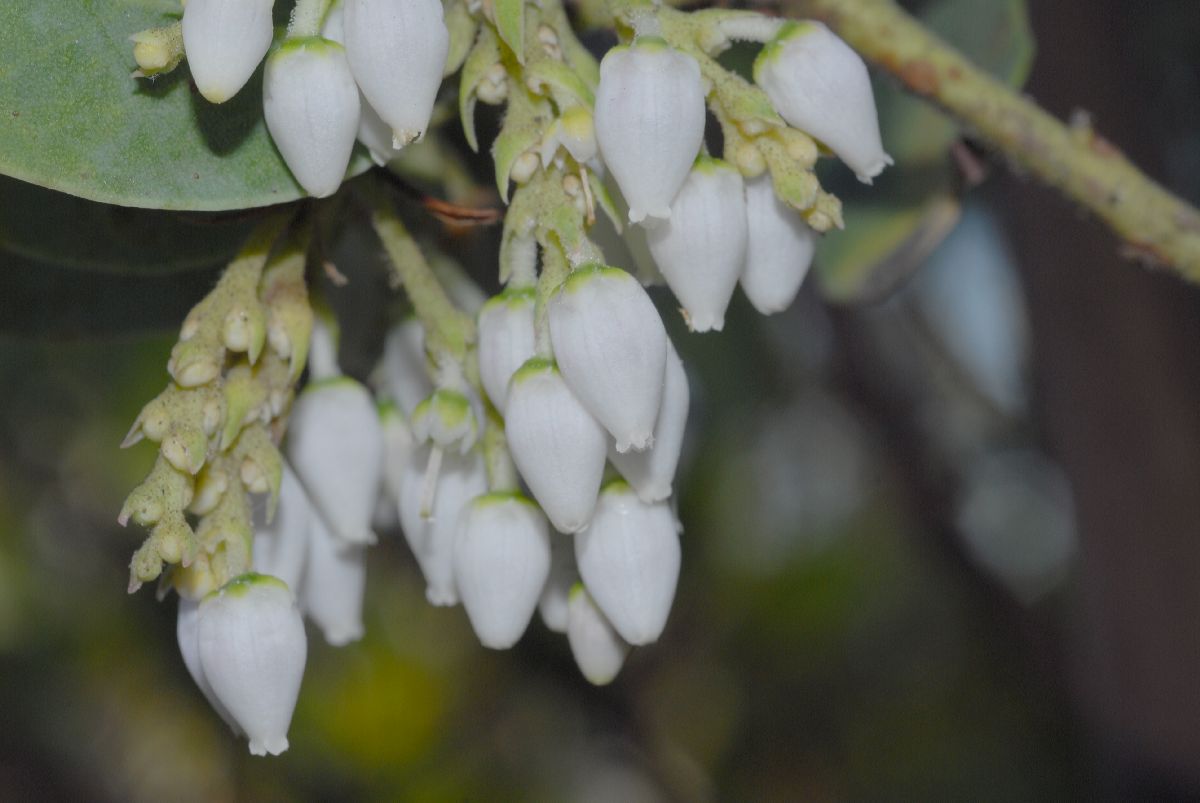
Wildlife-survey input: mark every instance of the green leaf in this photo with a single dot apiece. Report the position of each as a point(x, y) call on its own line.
point(72, 119)
point(39, 300)
point(892, 226)
point(41, 225)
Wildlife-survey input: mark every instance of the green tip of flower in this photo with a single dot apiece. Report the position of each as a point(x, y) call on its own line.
point(494, 498)
point(331, 383)
point(711, 164)
point(513, 297)
point(589, 271)
point(617, 486)
point(534, 367)
point(243, 583)
point(651, 43)
point(306, 44)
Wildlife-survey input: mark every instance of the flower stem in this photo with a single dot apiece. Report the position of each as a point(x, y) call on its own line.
point(307, 17)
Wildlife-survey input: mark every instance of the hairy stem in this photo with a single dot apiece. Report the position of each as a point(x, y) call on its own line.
point(1158, 227)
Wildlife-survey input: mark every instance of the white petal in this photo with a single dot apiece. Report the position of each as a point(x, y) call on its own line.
point(779, 249)
point(555, 596)
point(701, 249)
point(652, 472)
point(431, 538)
point(224, 41)
point(501, 562)
point(821, 86)
point(611, 347)
point(404, 375)
point(557, 445)
point(629, 561)
point(649, 122)
point(311, 105)
point(397, 50)
point(336, 449)
point(599, 651)
point(252, 650)
point(398, 447)
point(281, 547)
point(505, 341)
point(375, 134)
point(334, 582)
point(187, 633)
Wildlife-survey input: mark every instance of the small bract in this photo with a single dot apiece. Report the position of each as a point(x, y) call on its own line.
point(397, 50)
point(557, 445)
point(821, 86)
point(629, 560)
point(611, 347)
point(779, 249)
point(252, 649)
point(501, 562)
point(224, 41)
point(649, 122)
point(312, 110)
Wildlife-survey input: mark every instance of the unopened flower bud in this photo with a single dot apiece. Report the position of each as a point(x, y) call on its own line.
point(629, 561)
point(611, 347)
point(652, 472)
point(552, 606)
point(779, 249)
point(335, 578)
point(649, 122)
point(336, 449)
point(821, 86)
point(447, 419)
point(506, 340)
point(402, 369)
point(224, 41)
point(701, 249)
point(311, 104)
point(557, 445)
point(397, 49)
point(501, 562)
point(252, 650)
point(598, 650)
point(187, 633)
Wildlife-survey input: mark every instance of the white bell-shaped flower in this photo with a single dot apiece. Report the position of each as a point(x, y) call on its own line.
point(649, 122)
point(446, 419)
point(403, 375)
point(611, 347)
point(252, 649)
point(398, 447)
point(779, 249)
point(505, 341)
point(187, 631)
point(312, 109)
point(501, 562)
point(629, 561)
point(224, 41)
point(373, 132)
point(281, 545)
point(397, 50)
point(821, 86)
point(557, 445)
point(430, 505)
point(598, 649)
point(652, 472)
point(335, 579)
point(563, 576)
point(336, 448)
point(701, 249)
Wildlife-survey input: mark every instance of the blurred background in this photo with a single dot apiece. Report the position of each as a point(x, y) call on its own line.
point(941, 517)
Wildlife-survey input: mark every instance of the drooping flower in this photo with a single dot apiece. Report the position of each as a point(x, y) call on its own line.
point(779, 249)
point(652, 472)
point(252, 649)
point(649, 122)
point(397, 50)
point(187, 632)
point(701, 249)
point(598, 649)
point(505, 341)
point(563, 576)
point(403, 375)
point(818, 84)
point(281, 545)
point(312, 110)
point(611, 347)
point(501, 562)
point(336, 448)
point(557, 445)
point(629, 560)
point(398, 447)
point(224, 41)
point(334, 582)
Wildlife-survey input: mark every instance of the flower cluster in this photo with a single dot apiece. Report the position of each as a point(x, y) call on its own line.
point(525, 446)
